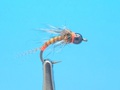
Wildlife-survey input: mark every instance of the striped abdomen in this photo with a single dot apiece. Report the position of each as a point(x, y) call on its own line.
point(51, 41)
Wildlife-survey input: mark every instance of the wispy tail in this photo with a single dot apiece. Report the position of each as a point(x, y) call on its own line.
point(28, 52)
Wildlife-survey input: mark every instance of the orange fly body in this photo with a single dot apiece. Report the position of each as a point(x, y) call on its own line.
point(66, 36)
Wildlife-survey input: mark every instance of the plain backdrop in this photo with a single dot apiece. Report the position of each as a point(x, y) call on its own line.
point(94, 65)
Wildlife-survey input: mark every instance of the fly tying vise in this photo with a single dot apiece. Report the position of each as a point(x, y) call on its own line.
point(66, 36)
